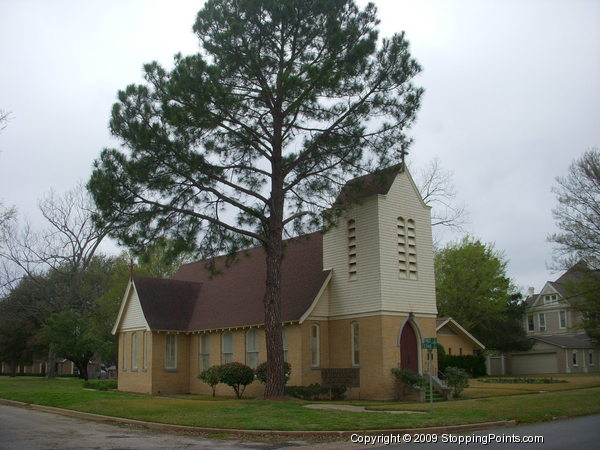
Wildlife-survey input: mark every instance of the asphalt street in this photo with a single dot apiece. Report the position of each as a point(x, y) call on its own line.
point(580, 433)
point(25, 429)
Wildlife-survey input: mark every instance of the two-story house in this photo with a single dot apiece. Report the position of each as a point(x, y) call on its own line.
point(559, 345)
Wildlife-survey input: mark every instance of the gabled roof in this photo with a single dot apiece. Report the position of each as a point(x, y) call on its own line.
point(368, 185)
point(576, 341)
point(441, 322)
point(195, 299)
point(167, 304)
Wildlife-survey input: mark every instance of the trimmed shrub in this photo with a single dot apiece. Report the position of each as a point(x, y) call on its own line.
point(311, 392)
point(456, 378)
point(236, 375)
point(262, 374)
point(407, 376)
point(474, 365)
point(100, 385)
point(211, 376)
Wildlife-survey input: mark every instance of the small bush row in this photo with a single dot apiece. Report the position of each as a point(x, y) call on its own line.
point(315, 391)
point(100, 385)
point(474, 365)
point(238, 376)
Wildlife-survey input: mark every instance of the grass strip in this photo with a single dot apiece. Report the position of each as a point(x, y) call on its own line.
point(269, 415)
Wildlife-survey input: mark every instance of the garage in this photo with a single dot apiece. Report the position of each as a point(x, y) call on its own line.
point(534, 363)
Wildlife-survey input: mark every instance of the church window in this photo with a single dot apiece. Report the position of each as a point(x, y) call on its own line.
point(284, 336)
point(355, 343)
point(352, 250)
point(204, 351)
point(575, 357)
point(226, 347)
point(411, 240)
point(407, 249)
point(134, 351)
point(252, 348)
point(542, 321)
point(171, 352)
point(124, 352)
point(591, 357)
point(562, 317)
point(530, 325)
point(145, 350)
point(314, 345)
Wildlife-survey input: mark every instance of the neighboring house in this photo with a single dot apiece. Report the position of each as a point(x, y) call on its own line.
point(559, 345)
point(359, 297)
point(455, 339)
point(38, 367)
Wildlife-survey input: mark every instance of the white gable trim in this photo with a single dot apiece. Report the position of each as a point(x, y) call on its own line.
point(317, 298)
point(124, 304)
point(461, 329)
point(547, 289)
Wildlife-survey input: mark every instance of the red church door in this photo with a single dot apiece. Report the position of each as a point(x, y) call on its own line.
point(409, 358)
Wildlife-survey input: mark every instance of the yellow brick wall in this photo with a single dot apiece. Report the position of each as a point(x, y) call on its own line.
point(170, 381)
point(139, 380)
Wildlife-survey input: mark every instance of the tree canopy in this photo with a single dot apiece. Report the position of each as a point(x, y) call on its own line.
point(577, 214)
point(252, 137)
point(472, 287)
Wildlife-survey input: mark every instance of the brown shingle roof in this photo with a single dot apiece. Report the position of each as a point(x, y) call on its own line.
point(234, 298)
point(167, 304)
point(374, 183)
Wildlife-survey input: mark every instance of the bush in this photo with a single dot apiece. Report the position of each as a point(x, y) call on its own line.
point(407, 376)
point(456, 378)
point(261, 372)
point(236, 375)
point(315, 391)
point(211, 376)
point(100, 385)
point(474, 365)
point(405, 381)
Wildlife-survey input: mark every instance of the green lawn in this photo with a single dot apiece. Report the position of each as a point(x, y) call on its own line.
point(580, 397)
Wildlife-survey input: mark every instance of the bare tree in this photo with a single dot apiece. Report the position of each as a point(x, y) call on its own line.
point(437, 189)
point(4, 116)
point(61, 252)
point(578, 212)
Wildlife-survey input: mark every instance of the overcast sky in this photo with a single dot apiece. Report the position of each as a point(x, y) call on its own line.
point(512, 97)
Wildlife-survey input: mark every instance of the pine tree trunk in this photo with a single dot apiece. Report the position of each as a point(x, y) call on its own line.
point(275, 385)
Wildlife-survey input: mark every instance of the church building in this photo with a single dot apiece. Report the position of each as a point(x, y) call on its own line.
point(359, 296)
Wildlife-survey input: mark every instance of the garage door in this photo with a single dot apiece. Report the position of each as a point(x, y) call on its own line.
point(527, 364)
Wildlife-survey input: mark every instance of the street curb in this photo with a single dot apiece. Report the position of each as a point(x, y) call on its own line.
point(236, 432)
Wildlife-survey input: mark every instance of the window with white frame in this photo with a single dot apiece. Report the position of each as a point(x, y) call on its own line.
point(284, 337)
point(204, 346)
point(574, 357)
point(145, 350)
point(562, 319)
point(226, 347)
point(314, 345)
point(171, 351)
point(134, 351)
point(124, 350)
point(252, 348)
point(550, 299)
point(354, 329)
point(530, 325)
point(542, 321)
